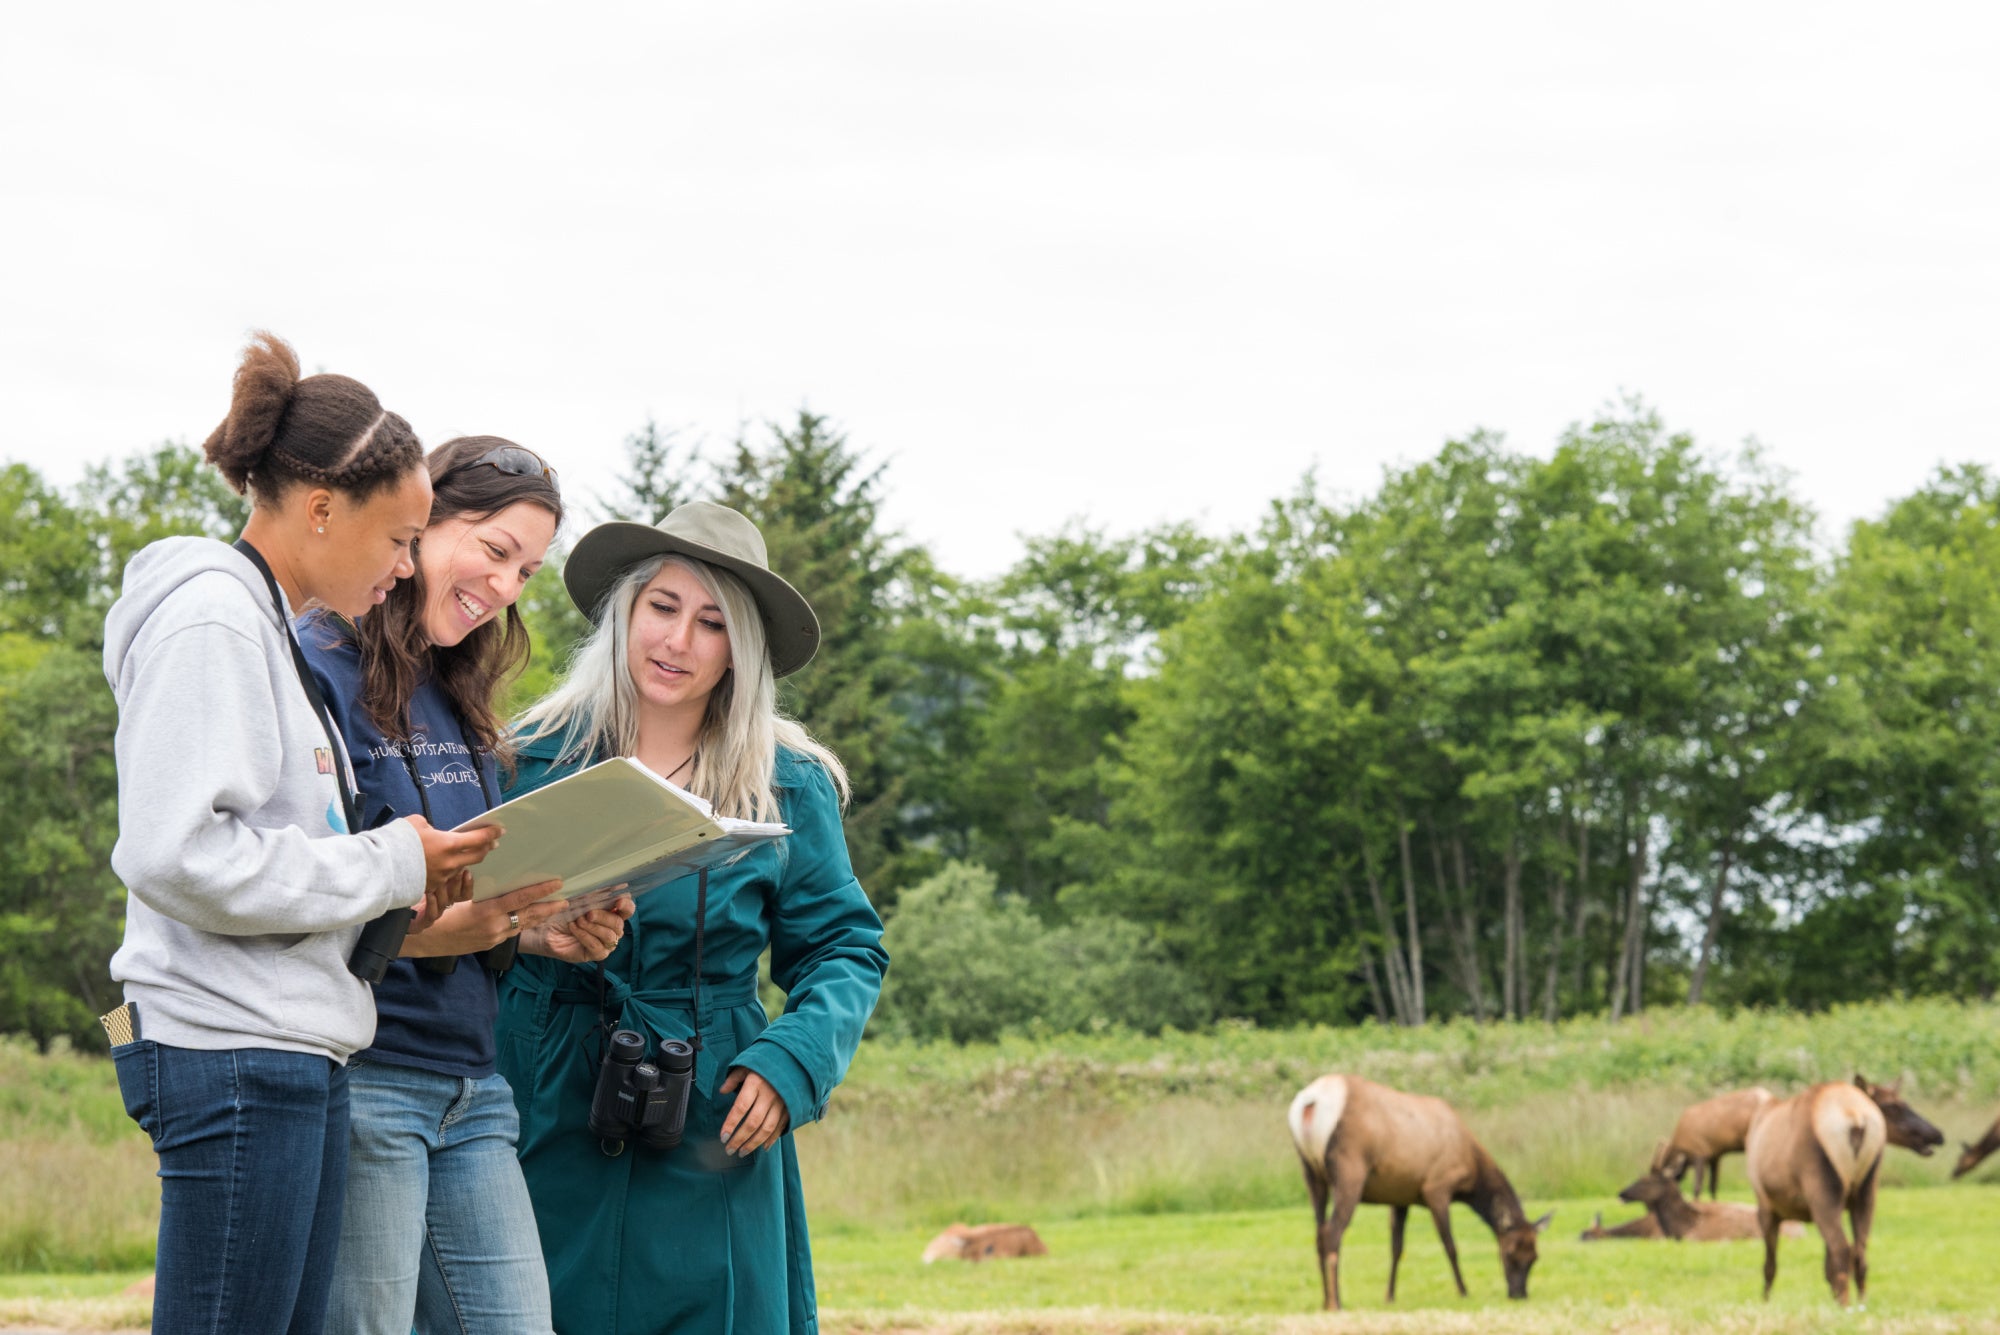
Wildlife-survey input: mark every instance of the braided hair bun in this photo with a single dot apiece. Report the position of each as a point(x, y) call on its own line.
point(329, 430)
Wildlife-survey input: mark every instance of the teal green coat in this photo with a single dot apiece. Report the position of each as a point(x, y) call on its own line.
point(690, 1240)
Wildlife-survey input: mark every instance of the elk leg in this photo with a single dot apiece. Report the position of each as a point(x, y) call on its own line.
point(1768, 1224)
point(1862, 1216)
point(1714, 1176)
point(1825, 1198)
point(1441, 1216)
point(1700, 1174)
point(1329, 1247)
point(1316, 1187)
point(1399, 1215)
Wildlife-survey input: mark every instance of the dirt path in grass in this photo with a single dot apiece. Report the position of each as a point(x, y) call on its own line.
point(53, 1317)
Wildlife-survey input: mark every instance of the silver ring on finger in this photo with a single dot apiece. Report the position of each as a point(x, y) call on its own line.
point(514, 921)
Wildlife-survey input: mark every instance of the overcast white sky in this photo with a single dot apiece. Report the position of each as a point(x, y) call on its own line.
point(1128, 261)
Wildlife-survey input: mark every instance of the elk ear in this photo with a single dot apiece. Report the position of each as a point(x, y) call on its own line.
point(1861, 1082)
point(1542, 1224)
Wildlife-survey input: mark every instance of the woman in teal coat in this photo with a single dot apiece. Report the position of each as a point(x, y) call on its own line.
point(691, 631)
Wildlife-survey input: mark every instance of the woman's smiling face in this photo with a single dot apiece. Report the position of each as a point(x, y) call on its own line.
point(474, 568)
point(679, 645)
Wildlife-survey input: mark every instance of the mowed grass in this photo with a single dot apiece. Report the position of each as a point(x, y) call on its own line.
point(1931, 1268)
point(82, 1303)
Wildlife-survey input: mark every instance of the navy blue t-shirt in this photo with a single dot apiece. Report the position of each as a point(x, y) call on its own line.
point(432, 1021)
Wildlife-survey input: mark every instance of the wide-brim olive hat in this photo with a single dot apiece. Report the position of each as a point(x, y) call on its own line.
point(703, 531)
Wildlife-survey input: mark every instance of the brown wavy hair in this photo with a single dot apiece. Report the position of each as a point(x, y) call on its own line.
point(396, 652)
point(284, 430)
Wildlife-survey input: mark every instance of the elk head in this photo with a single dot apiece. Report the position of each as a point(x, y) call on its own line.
point(1906, 1128)
point(1647, 1190)
point(1517, 1253)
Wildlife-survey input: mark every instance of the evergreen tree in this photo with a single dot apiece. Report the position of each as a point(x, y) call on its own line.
point(818, 503)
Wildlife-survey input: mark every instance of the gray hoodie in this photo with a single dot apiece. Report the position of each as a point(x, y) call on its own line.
point(247, 892)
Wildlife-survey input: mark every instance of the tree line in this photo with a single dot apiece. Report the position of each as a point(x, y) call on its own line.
point(1511, 737)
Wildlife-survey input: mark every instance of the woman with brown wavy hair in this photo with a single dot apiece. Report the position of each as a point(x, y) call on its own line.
point(438, 1231)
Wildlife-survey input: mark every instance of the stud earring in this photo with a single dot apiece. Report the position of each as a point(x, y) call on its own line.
point(320, 529)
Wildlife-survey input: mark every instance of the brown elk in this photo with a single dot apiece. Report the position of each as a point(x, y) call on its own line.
point(1675, 1216)
point(1645, 1226)
point(1360, 1142)
point(1818, 1152)
point(984, 1242)
point(1708, 1130)
point(1975, 1155)
point(1904, 1127)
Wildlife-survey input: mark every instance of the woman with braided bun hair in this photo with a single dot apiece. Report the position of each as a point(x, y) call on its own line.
point(249, 874)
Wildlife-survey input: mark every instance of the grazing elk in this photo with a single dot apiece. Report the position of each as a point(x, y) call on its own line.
point(1817, 1153)
point(1975, 1155)
point(1708, 1130)
point(984, 1242)
point(1360, 1142)
point(1675, 1216)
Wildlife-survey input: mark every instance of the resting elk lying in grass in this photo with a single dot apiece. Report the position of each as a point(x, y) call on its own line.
point(984, 1242)
point(1817, 1153)
point(1644, 1227)
point(1707, 1131)
point(1363, 1142)
point(1975, 1155)
point(1675, 1216)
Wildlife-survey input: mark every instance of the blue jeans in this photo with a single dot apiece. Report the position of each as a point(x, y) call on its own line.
point(438, 1230)
point(253, 1163)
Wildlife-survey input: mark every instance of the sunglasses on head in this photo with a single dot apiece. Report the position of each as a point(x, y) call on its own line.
point(517, 461)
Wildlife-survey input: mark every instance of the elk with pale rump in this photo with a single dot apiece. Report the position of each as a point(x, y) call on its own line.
point(1818, 1152)
point(1360, 1142)
point(1975, 1155)
point(983, 1242)
point(1708, 1130)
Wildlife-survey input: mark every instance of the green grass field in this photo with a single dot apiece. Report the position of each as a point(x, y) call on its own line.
point(1162, 1176)
point(1930, 1262)
point(1931, 1270)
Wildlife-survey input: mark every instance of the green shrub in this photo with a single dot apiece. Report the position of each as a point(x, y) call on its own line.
point(969, 965)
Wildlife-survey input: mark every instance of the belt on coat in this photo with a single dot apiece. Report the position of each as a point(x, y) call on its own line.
point(617, 994)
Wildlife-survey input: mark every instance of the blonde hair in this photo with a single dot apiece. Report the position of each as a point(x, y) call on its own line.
point(595, 707)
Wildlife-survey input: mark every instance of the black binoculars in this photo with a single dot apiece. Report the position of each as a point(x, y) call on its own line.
point(640, 1100)
point(380, 942)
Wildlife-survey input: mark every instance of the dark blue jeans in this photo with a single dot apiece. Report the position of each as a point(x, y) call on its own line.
point(253, 1174)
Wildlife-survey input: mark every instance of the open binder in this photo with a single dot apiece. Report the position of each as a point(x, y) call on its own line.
point(614, 828)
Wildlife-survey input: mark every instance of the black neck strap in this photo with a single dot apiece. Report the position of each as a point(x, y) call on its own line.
point(405, 750)
point(343, 777)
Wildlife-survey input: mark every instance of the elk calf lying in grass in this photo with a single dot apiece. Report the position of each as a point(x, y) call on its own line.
point(1675, 1216)
point(1708, 1130)
point(1645, 1226)
point(1363, 1142)
point(984, 1242)
point(1817, 1153)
